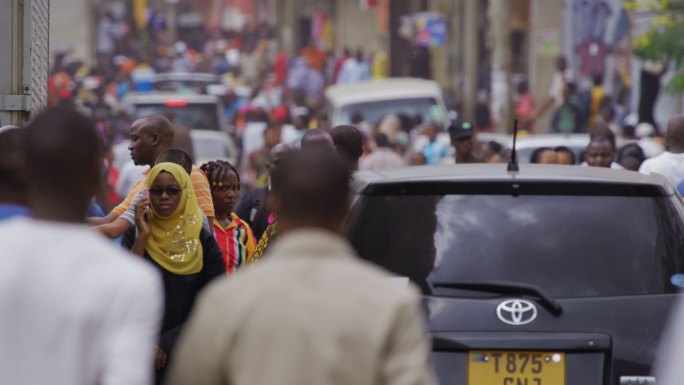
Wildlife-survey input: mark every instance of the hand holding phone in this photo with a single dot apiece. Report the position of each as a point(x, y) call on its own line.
point(142, 216)
point(146, 206)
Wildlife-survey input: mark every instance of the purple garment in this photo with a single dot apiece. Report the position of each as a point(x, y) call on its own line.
point(592, 57)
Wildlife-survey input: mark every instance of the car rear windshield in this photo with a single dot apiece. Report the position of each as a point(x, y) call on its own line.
point(569, 245)
point(193, 115)
point(427, 108)
point(210, 148)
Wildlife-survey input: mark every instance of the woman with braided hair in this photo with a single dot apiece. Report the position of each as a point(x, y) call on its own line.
point(234, 236)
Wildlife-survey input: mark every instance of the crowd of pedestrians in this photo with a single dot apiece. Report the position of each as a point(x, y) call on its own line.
point(178, 277)
point(189, 296)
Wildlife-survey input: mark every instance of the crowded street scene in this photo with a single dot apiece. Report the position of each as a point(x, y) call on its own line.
point(313, 192)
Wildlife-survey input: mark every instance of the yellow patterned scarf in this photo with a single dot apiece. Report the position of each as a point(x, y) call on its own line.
point(174, 240)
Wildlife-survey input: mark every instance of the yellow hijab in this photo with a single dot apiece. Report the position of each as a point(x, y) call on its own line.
point(174, 240)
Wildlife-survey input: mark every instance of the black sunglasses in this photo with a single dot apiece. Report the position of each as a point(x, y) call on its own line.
point(170, 191)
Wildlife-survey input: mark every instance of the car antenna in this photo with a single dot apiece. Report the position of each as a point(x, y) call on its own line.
point(513, 163)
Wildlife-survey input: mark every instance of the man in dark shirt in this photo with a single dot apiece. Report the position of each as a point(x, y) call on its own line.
point(461, 134)
point(251, 206)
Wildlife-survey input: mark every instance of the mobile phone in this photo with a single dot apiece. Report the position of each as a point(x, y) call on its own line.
point(146, 216)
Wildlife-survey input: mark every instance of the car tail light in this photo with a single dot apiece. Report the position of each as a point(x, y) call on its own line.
point(176, 103)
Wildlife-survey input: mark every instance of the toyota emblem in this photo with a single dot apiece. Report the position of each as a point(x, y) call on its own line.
point(516, 312)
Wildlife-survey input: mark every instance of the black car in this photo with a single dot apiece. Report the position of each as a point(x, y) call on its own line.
point(553, 275)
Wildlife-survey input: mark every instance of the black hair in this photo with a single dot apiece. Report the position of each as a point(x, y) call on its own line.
point(64, 153)
point(309, 139)
point(631, 162)
point(178, 157)
point(523, 87)
point(534, 157)
point(312, 186)
point(568, 151)
point(217, 170)
point(495, 146)
point(348, 141)
point(603, 133)
point(381, 141)
point(597, 80)
point(631, 150)
point(406, 121)
point(356, 117)
point(629, 130)
point(359, 55)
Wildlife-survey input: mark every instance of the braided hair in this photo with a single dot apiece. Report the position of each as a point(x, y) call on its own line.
point(217, 170)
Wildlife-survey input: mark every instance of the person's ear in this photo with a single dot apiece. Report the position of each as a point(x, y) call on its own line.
point(155, 138)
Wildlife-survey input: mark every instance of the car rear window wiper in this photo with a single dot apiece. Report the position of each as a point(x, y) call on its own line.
point(503, 287)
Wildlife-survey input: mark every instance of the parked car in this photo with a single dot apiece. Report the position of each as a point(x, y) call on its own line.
point(196, 82)
point(201, 112)
point(558, 275)
point(374, 99)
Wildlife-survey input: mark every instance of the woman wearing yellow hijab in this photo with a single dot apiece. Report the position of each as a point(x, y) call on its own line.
point(169, 234)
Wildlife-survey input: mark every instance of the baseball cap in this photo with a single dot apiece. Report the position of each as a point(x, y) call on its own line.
point(460, 129)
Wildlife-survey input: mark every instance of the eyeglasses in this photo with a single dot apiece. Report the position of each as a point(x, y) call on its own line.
point(170, 191)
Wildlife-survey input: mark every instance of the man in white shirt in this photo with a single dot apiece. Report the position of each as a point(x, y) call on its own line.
point(310, 312)
point(75, 310)
point(560, 79)
point(671, 162)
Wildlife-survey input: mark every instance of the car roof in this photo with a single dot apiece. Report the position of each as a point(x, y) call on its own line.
point(162, 97)
point(187, 76)
point(485, 172)
point(386, 89)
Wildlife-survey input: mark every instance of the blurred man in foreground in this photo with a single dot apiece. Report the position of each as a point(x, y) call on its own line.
point(310, 313)
point(74, 309)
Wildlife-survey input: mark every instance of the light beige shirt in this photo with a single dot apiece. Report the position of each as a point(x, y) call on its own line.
point(381, 159)
point(310, 313)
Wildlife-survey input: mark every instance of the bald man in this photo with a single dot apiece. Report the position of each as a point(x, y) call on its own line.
point(671, 162)
point(150, 137)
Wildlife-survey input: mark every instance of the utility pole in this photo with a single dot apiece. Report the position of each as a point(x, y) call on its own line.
point(24, 57)
point(288, 26)
point(500, 35)
point(471, 56)
point(172, 20)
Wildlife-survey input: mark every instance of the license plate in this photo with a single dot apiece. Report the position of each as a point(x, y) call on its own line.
point(493, 367)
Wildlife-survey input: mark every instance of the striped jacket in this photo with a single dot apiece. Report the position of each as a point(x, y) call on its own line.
point(236, 242)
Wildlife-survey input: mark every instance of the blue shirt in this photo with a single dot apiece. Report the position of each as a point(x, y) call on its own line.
point(435, 151)
point(94, 210)
point(9, 210)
